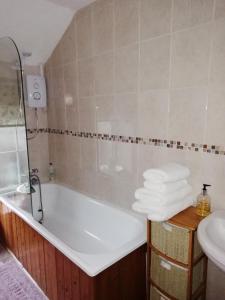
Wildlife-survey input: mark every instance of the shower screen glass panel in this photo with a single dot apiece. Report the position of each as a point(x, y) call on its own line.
point(14, 167)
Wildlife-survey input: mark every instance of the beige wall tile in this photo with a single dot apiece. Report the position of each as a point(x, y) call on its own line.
point(89, 154)
point(123, 193)
point(72, 118)
point(213, 173)
point(220, 9)
point(102, 27)
point(57, 81)
point(56, 58)
point(52, 114)
point(188, 13)
point(103, 74)
point(187, 114)
point(104, 187)
point(86, 78)
point(154, 64)
point(60, 113)
point(218, 54)
point(126, 69)
point(193, 160)
point(87, 113)
point(125, 115)
point(84, 33)
point(48, 82)
point(70, 83)
point(153, 113)
point(86, 182)
point(68, 46)
point(104, 114)
point(155, 18)
point(74, 153)
point(215, 117)
point(126, 22)
point(191, 57)
point(70, 96)
point(106, 158)
point(52, 148)
point(125, 166)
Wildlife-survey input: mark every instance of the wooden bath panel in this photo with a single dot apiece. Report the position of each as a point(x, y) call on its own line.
point(60, 278)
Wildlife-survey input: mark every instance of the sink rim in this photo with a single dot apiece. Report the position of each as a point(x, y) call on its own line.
point(216, 254)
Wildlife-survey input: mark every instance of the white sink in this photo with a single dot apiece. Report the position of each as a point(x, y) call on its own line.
point(211, 236)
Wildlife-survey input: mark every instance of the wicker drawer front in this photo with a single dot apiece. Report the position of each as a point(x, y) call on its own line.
point(171, 240)
point(156, 294)
point(169, 277)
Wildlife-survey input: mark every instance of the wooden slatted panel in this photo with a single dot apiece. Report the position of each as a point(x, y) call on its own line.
point(27, 242)
point(15, 243)
point(75, 285)
point(60, 274)
point(50, 270)
point(41, 262)
point(18, 233)
point(86, 287)
point(23, 244)
point(108, 281)
point(67, 279)
point(34, 255)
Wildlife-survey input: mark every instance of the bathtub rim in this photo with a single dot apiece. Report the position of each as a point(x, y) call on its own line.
point(82, 260)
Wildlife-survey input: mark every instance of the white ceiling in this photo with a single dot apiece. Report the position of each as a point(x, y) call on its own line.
point(37, 25)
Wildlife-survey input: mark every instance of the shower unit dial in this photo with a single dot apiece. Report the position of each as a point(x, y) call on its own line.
point(36, 91)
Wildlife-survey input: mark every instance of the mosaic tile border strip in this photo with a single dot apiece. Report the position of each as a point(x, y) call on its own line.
point(211, 149)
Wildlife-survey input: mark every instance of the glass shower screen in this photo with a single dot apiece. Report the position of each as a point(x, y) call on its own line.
point(14, 162)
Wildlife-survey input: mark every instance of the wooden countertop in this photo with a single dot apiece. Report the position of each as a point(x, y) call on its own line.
point(187, 218)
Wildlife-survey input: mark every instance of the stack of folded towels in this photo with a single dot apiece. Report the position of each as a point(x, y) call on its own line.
point(166, 192)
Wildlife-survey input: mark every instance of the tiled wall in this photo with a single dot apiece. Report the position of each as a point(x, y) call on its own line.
point(153, 70)
point(141, 68)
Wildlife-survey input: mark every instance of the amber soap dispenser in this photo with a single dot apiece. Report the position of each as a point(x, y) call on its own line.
point(204, 202)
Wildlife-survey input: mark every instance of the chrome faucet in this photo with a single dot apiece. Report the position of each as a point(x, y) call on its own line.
point(35, 180)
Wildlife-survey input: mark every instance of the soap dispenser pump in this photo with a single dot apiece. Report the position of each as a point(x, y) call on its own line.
point(203, 202)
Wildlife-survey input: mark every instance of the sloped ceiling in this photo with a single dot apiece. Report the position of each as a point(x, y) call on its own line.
point(37, 25)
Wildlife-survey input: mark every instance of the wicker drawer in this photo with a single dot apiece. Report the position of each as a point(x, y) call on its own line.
point(156, 294)
point(173, 241)
point(169, 277)
point(172, 278)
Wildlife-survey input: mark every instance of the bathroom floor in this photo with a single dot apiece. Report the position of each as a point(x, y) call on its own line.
point(14, 282)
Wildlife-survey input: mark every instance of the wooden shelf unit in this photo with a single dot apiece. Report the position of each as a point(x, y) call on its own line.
point(176, 265)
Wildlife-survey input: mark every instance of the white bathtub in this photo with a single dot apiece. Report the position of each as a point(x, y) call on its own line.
point(93, 234)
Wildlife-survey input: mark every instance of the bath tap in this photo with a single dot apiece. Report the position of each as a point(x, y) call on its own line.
point(35, 180)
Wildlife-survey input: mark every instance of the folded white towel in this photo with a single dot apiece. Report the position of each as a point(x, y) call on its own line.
point(165, 212)
point(172, 210)
point(165, 188)
point(150, 198)
point(167, 173)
